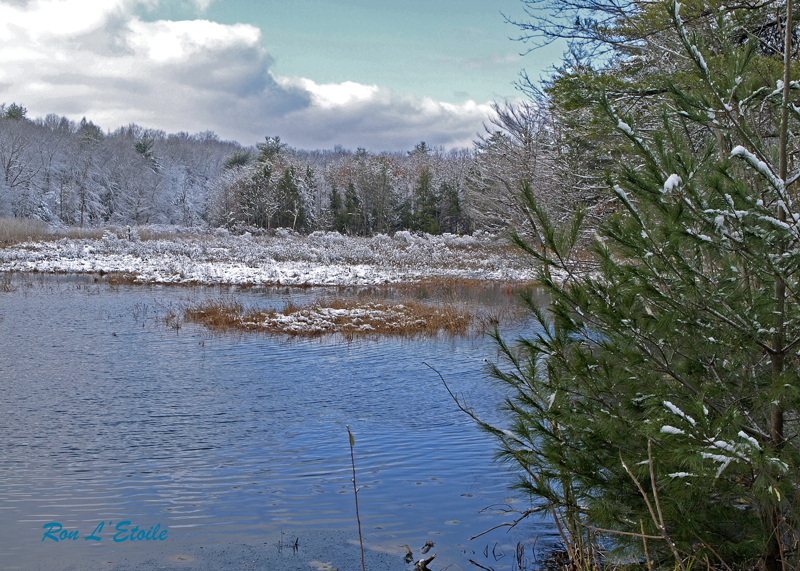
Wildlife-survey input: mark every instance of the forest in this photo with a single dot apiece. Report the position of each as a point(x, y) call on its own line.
point(74, 174)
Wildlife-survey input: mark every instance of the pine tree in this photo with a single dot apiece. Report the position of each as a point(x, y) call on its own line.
point(291, 212)
point(427, 203)
point(352, 210)
point(660, 395)
point(452, 217)
point(336, 209)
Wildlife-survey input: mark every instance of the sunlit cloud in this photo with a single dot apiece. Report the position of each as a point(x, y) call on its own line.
point(100, 60)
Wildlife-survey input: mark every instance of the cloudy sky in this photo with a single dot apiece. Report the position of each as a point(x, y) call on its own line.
point(318, 73)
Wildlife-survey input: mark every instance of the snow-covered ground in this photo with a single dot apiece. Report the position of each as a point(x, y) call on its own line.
point(287, 258)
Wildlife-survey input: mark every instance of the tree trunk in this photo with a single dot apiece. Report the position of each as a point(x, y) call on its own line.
point(773, 560)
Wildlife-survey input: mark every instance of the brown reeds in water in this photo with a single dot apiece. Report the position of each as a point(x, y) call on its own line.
point(348, 317)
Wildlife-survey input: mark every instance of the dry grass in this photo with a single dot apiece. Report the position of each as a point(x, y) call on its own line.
point(14, 230)
point(348, 317)
point(145, 234)
point(5, 284)
point(76, 233)
point(119, 278)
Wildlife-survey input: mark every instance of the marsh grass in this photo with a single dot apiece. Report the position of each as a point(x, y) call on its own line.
point(119, 278)
point(351, 318)
point(17, 230)
point(14, 230)
point(5, 284)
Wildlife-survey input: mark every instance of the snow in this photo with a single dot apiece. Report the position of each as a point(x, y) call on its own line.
point(624, 127)
point(722, 467)
point(672, 182)
point(320, 319)
point(322, 258)
point(698, 57)
point(758, 165)
point(749, 439)
point(666, 429)
point(782, 465)
point(716, 457)
point(722, 445)
point(702, 237)
point(775, 222)
point(675, 410)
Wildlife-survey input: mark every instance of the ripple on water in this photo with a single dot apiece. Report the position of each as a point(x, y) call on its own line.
point(109, 415)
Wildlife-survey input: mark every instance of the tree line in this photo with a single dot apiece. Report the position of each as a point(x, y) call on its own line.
point(64, 172)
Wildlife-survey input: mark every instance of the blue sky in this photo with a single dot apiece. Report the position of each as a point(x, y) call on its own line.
point(380, 75)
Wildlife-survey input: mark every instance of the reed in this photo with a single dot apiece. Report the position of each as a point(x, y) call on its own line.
point(76, 233)
point(355, 493)
point(14, 230)
point(5, 284)
point(349, 317)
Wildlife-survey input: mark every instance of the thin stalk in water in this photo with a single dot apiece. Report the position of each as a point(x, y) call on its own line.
point(355, 493)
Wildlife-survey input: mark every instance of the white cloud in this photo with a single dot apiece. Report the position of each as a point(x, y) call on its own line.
point(332, 95)
point(165, 41)
point(378, 118)
point(99, 60)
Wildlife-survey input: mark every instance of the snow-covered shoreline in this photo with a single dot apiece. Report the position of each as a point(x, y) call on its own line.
point(287, 258)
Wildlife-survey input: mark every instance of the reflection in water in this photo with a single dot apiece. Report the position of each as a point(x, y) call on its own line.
point(109, 414)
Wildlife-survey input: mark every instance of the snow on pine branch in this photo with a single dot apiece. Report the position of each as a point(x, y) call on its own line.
point(695, 53)
point(628, 131)
point(672, 182)
point(623, 196)
point(678, 412)
point(779, 87)
point(760, 166)
point(699, 236)
point(667, 429)
point(716, 449)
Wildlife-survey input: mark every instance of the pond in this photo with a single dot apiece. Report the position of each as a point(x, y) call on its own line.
point(235, 443)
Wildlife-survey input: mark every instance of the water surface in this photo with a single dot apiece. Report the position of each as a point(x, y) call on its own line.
point(111, 415)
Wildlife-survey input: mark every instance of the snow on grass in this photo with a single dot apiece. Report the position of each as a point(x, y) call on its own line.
point(287, 258)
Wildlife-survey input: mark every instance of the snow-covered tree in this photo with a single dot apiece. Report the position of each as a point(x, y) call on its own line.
point(516, 147)
point(658, 403)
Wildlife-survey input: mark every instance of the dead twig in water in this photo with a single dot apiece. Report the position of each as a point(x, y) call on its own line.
point(355, 493)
